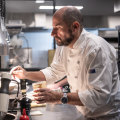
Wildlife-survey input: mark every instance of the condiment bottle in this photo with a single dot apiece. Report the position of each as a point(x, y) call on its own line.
point(24, 116)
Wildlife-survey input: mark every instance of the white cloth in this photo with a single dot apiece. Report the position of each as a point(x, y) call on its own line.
point(91, 69)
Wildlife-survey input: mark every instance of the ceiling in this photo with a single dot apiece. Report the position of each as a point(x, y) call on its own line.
point(91, 7)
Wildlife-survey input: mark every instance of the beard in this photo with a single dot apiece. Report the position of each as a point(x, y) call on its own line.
point(66, 41)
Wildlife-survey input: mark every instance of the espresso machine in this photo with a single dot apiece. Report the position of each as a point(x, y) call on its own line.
point(4, 97)
point(4, 94)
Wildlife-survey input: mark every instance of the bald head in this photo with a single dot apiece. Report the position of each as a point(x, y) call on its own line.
point(69, 14)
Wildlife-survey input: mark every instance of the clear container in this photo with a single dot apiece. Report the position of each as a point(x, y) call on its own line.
point(41, 84)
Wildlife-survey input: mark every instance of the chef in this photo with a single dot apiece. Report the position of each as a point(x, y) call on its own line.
point(89, 63)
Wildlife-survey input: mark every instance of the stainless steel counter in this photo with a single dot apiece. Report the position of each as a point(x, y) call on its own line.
point(57, 112)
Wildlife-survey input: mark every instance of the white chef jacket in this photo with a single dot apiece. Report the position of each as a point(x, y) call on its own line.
point(91, 69)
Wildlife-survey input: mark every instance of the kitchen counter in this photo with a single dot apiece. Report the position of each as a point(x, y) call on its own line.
point(57, 112)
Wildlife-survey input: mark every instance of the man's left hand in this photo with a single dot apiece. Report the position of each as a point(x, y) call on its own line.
point(45, 95)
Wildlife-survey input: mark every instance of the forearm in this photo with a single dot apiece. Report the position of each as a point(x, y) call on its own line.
point(21, 73)
point(62, 82)
point(74, 99)
point(45, 95)
point(35, 76)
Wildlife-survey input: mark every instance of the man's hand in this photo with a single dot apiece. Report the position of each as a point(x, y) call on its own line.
point(18, 72)
point(45, 95)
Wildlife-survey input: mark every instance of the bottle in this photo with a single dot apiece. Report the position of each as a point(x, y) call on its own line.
point(24, 116)
point(25, 103)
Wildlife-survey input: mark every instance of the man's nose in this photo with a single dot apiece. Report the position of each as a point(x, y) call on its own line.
point(53, 33)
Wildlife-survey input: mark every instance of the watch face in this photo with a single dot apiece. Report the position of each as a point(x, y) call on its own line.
point(64, 100)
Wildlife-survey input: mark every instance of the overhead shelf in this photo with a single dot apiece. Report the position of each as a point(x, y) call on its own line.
point(108, 33)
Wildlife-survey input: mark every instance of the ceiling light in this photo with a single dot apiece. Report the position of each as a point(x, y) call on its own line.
point(39, 1)
point(58, 7)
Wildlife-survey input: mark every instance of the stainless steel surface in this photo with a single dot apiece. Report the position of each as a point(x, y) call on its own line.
point(108, 33)
point(3, 39)
point(6, 75)
point(4, 93)
point(4, 102)
point(61, 112)
point(2, 115)
point(57, 112)
point(4, 61)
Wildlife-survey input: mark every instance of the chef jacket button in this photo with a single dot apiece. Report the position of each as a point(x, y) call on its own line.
point(68, 60)
point(78, 62)
point(76, 77)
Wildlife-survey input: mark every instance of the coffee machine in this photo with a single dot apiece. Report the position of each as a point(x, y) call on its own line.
point(4, 94)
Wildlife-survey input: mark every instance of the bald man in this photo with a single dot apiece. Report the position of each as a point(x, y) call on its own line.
point(89, 63)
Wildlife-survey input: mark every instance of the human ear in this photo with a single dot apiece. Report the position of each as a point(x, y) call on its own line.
point(75, 25)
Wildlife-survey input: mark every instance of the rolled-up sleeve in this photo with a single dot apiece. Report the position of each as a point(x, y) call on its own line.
point(56, 71)
point(99, 80)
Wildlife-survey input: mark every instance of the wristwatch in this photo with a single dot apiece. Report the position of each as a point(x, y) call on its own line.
point(64, 99)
